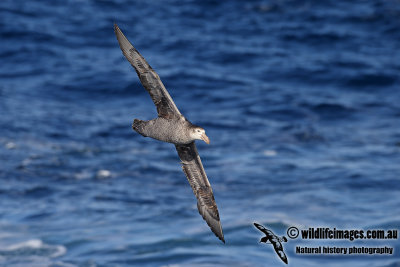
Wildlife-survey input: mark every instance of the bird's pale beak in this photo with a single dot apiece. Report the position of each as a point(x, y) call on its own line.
point(205, 138)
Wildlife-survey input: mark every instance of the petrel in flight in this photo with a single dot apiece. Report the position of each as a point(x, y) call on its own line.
point(172, 127)
point(274, 240)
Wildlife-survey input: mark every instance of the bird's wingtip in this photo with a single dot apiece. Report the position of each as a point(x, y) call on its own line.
point(221, 237)
point(116, 28)
point(217, 230)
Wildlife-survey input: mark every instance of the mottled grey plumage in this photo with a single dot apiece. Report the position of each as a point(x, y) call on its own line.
point(171, 126)
point(175, 130)
point(274, 240)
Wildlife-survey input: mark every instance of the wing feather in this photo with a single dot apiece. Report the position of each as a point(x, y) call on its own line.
point(197, 177)
point(281, 253)
point(148, 77)
point(262, 229)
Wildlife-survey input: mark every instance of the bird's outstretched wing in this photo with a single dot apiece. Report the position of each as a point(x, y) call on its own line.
point(263, 229)
point(281, 254)
point(150, 80)
point(197, 177)
point(274, 241)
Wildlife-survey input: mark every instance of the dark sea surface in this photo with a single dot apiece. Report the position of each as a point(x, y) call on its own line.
point(300, 99)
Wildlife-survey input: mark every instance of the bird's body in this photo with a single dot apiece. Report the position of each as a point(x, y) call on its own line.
point(176, 130)
point(172, 127)
point(274, 240)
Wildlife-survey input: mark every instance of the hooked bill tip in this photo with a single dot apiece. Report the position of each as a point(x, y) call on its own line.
point(205, 138)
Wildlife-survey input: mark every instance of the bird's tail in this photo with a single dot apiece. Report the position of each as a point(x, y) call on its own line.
point(138, 126)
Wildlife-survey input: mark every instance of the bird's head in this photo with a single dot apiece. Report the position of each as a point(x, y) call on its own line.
point(199, 134)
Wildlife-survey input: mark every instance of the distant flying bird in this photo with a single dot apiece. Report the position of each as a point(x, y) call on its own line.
point(274, 240)
point(172, 127)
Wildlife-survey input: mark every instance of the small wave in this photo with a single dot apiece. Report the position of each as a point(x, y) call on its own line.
point(34, 247)
point(103, 174)
point(270, 153)
point(377, 80)
point(329, 111)
point(38, 191)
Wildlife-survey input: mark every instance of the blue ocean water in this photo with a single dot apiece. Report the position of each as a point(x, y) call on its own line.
point(300, 100)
